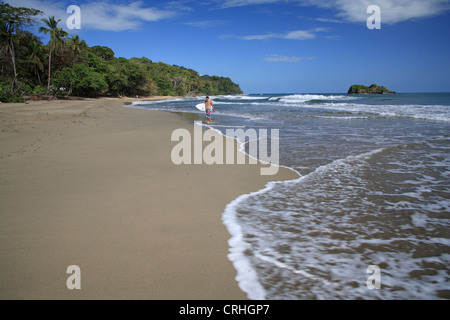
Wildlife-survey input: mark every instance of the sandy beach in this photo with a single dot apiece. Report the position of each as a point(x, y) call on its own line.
point(91, 183)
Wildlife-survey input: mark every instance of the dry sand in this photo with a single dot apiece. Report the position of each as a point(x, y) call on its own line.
point(91, 183)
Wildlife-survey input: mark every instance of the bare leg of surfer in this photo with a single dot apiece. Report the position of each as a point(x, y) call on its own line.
point(208, 116)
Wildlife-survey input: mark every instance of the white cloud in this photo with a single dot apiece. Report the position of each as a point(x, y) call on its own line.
point(206, 23)
point(329, 20)
point(291, 35)
point(262, 36)
point(242, 3)
point(299, 35)
point(303, 34)
point(101, 15)
point(56, 9)
point(279, 58)
point(392, 11)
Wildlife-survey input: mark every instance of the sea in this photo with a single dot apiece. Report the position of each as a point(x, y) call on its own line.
point(368, 216)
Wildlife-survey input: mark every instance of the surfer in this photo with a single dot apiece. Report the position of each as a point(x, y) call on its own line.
point(208, 105)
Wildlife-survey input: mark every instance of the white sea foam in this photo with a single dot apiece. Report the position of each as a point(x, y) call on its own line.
point(419, 219)
point(430, 112)
point(299, 98)
point(151, 102)
point(340, 103)
point(247, 276)
point(322, 265)
point(343, 117)
point(239, 97)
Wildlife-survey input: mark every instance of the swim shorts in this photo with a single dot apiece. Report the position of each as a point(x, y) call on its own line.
point(208, 113)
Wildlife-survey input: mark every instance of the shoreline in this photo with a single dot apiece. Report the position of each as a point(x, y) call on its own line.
point(90, 183)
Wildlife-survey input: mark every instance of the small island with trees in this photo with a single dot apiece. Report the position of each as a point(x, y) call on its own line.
point(373, 89)
point(67, 66)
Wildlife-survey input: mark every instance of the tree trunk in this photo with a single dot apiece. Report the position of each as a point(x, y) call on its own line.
point(69, 92)
point(39, 78)
point(13, 59)
point(49, 67)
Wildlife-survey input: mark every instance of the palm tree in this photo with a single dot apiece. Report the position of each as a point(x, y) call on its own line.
point(3, 45)
point(60, 40)
point(52, 29)
point(36, 58)
point(13, 19)
point(77, 46)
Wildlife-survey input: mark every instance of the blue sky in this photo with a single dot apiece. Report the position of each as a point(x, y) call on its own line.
point(277, 46)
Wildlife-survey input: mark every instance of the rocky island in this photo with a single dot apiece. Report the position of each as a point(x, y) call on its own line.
point(373, 89)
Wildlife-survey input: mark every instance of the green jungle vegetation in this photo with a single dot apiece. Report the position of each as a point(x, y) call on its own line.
point(373, 89)
point(67, 66)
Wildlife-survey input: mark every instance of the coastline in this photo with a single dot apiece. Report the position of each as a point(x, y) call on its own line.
point(91, 183)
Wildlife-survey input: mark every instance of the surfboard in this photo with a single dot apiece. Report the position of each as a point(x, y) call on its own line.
point(201, 106)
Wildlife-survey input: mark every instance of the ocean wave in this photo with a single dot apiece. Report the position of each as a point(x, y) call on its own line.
point(343, 117)
point(246, 274)
point(333, 103)
point(317, 232)
point(239, 97)
point(419, 112)
point(301, 98)
point(151, 102)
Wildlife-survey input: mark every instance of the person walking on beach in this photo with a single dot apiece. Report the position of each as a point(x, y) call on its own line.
point(208, 105)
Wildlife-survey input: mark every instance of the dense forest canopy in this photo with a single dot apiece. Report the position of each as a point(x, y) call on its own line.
point(67, 66)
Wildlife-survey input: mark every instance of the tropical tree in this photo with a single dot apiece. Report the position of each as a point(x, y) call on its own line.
point(78, 49)
point(4, 49)
point(77, 45)
point(80, 80)
point(13, 19)
point(36, 58)
point(74, 68)
point(60, 39)
point(55, 35)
